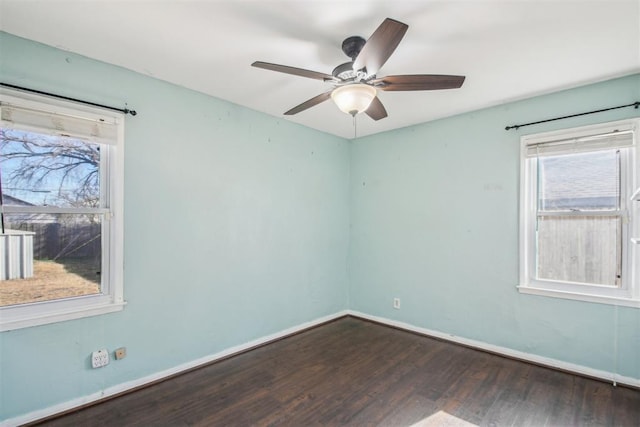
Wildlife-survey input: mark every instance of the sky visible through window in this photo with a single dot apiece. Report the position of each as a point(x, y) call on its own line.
point(580, 181)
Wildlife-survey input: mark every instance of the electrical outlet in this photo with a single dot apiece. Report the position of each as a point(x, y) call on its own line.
point(120, 353)
point(99, 358)
point(396, 303)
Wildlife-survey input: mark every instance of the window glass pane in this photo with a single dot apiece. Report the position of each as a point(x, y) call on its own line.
point(49, 256)
point(584, 181)
point(579, 249)
point(42, 170)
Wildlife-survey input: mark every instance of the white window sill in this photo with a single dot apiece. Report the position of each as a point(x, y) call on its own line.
point(17, 321)
point(599, 299)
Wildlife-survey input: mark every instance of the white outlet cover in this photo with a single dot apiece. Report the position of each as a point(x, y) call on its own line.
point(99, 358)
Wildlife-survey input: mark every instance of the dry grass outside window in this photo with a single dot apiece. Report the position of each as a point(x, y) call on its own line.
point(52, 280)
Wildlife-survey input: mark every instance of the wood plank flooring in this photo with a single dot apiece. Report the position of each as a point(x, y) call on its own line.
point(352, 372)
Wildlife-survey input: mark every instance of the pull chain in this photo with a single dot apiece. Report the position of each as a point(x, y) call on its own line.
point(355, 127)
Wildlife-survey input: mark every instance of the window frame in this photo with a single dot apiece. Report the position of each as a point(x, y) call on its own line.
point(111, 296)
point(628, 292)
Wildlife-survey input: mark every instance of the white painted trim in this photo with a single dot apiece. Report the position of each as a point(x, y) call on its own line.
point(598, 299)
point(129, 385)
point(37, 318)
point(508, 352)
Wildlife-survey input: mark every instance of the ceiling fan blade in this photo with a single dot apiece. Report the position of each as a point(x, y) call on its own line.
point(309, 103)
point(376, 110)
point(380, 46)
point(418, 82)
point(293, 70)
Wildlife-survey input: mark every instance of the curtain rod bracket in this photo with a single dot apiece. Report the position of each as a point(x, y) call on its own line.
point(39, 92)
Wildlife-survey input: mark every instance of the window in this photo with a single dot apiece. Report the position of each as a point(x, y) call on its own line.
point(578, 214)
point(61, 243)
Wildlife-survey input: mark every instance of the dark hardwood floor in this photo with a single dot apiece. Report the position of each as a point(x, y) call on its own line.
point(357, 373)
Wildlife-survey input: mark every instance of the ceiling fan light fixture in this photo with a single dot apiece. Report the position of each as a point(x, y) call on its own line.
point(354, 98)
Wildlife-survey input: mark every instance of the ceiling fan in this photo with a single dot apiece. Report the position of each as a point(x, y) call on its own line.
point(355, 82)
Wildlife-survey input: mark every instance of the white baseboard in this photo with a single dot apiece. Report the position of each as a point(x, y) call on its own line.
point(515, 354)
point(123, 387)
point(129, 385)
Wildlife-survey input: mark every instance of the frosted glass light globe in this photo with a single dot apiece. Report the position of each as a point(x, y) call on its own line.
point(353, 99)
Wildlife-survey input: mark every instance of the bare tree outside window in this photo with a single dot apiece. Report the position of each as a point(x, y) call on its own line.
point(49, 170)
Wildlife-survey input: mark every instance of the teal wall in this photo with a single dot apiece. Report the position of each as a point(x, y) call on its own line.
point(434, 212)
point(239, 225)
point(236, 227)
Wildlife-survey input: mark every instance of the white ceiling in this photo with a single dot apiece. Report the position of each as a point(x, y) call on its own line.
point(508, 50)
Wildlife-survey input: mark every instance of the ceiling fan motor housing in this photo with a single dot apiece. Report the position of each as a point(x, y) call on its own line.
point(344, 71)
point(352, 46)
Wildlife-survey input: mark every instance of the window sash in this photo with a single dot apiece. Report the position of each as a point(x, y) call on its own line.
point(547, 186)
point(93, 125)
point(105, 243)
point(534, 214)
point(547, 257)
point(617, 212)
point(53, 210)
point(105, 213)
point(628, 293)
